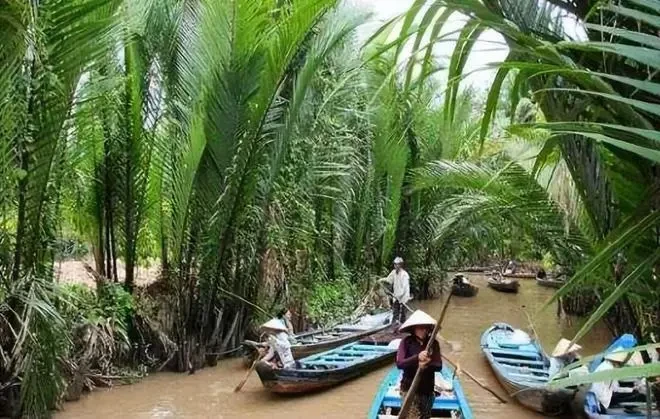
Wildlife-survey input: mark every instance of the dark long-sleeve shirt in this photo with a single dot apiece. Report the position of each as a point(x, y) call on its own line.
point(407, 360)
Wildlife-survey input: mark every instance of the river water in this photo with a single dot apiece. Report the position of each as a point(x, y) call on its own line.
point(209, 392)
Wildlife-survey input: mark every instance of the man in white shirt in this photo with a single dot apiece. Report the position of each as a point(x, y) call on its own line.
point(400, 282)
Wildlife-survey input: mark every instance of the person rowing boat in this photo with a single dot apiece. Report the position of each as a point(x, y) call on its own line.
point(412, 355)
point(279, 353)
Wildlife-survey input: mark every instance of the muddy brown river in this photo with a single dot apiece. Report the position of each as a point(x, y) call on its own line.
point(208, 393)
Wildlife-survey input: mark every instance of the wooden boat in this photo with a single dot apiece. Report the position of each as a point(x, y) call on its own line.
point(450, 403)
point(550, 282)
point(523, 371)
point(464, 290)
point(504, 285)
point(316, 341)
point(624, 410)
point(521, 275)
point(333, 367)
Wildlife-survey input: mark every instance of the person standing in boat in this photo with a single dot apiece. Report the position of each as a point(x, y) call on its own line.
point(412, 355)
point(279, 348)
point(400, 282)
point(563, 355)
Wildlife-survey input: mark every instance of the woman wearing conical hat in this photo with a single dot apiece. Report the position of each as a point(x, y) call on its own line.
point(412, 355)
point(279, 348)
point(611, 392)
point(563, 354)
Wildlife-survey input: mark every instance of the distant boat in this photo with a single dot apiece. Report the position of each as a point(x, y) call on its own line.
point(462, 287)
point(522, 275)
point(523, 371)
point(504, 285)
point(330, 368)
point(464, 290)
point(316, 341)
point(550, 282)
point(624, 410)
point(450, 403)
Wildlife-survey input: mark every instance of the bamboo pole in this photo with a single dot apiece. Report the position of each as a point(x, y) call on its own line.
point(475, 379)
point(405, 407)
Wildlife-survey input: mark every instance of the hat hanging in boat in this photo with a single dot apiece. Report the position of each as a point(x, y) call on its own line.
point(564, 347)
point(617, 355)
point(418, 318)
point(275, 325)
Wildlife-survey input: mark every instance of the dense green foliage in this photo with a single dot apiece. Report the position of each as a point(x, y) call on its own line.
point(262, 157)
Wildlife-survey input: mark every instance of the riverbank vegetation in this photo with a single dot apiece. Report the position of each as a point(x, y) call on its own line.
point(261, 155)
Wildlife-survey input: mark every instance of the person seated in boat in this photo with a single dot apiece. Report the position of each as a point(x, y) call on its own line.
point(563, 355)
point(400, 282)
point(541, 274)
point(279, 353)
point(461, 281)
point(510, 268)
point(612, 392)
point(412, 355)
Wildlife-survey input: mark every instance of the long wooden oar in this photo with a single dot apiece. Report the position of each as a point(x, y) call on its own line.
point(405, 407)
point(247, 375)
point(475, 379)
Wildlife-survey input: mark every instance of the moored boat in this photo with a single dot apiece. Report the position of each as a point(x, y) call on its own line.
point(504, 285)
point(550, 282)
point(464, 290)
point(617, 410)
point(450, 400)
point(462, 287)
point(522, 369)
point(316, 341)
point(330, 368)
point(521, 275)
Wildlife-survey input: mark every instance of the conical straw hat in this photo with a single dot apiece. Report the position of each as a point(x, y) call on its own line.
point(617, 355)
point(562, 347)
point(418, 318)
point(275, 325)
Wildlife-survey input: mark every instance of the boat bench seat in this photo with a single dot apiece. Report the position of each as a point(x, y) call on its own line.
point(529, 377)
point(348, 352)
point(440, 403)
point(520, 361)
point(378, 348)
point(522, 354)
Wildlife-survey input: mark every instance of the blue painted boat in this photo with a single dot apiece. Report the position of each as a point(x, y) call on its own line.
point(447, 404)
point(523, 371)
point(332, 367)
point(615, 411)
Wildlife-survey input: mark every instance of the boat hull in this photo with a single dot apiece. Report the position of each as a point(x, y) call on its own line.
point(509, 286)
point(300, 381)
point(549, 283)
point(330, 368)
point(451, 402)
point(521, 275)
point(523, 372)
point(464, 290)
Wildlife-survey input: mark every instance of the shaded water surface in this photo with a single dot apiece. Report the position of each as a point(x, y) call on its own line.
point(208, 393)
